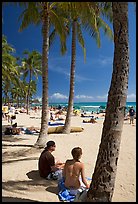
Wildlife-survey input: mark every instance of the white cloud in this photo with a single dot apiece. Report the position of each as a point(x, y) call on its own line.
point(59, 70)
point(58, 96)
point(106, 61)
point(39, 98)
point(131, 97)
point(64, 71)
point(102, 97)
point(83, 97)
point(103, 61)
point(81, 78)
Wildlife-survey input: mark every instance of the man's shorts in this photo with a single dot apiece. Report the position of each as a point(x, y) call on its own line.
point(54, 175)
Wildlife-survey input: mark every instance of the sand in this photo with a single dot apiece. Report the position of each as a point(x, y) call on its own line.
point(21, 181)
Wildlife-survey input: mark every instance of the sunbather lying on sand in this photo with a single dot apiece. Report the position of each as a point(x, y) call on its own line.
point(84, 115)
point(90, 121)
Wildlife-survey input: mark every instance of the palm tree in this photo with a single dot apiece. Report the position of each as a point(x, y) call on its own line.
point(24, 91)
point(31, 65)
point(9, 65)
point(88, 15)
point(33, 86)
point(8, 59)
point(45, 13)
point(103, 179)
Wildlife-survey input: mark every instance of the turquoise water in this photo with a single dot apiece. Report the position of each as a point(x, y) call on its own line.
point(92, 106)
point(97, 106)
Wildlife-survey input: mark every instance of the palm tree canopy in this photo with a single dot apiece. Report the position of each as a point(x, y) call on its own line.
point(31, 63)
point(33, 14)
point(8, 60)
point(89, 16)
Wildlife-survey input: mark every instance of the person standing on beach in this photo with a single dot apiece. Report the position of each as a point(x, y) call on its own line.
point(48, 168)
point(132, 115)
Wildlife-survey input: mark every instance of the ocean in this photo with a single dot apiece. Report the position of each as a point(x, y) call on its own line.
point(91, 106)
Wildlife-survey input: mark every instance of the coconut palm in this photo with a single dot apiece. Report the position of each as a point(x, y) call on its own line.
point(33, 87)
point(8, 60)
point(103, 179)
point(9, 65)
point(87, 15)
point(44, 13)
point(31, 66)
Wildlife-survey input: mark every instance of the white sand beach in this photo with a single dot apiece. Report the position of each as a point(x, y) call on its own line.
point(21, 181)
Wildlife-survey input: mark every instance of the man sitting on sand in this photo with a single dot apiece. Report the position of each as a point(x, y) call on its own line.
point(48, 168)
point(73, 172)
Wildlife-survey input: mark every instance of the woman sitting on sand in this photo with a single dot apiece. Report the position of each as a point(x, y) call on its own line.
point(73, 171)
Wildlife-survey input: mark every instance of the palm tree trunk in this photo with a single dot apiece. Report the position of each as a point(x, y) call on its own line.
point(103, 179)
point(67, 125)
point(18, 101)
point(44, 119)
point(28, 95)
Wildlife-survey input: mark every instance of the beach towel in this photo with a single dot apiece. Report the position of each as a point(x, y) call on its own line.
point(87, 116)
point(68, 195)
point(55, 123)
point(64, 193)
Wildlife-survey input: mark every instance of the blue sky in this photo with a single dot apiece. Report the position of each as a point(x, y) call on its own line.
point(92, 78)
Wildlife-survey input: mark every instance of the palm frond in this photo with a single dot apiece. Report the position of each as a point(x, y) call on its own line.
point(52, 37)
point(30, 15)
point(107, 30)
point(106, 10)
point(59, 23)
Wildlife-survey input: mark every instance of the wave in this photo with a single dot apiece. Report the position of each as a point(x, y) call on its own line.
point(91, 106)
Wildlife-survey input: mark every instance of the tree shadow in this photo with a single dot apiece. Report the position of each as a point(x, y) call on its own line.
point(24, 159)
point(34, 175)
point(27, 185)
point(17, 145)
point(12, 199)
point(20, 153)
point(11, 138)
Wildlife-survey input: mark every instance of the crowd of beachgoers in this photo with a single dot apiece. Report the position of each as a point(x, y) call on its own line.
point(23, 183)
point(56, 113)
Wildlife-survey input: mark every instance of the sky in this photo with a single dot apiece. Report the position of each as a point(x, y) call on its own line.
point(92, 78)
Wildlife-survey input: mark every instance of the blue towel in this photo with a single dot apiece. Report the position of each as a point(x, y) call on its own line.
point(28, 132)
point(64, 193)
point(55, 124)
point(67, 194)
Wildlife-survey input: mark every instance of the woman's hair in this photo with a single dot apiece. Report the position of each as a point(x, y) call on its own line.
point(76, 153)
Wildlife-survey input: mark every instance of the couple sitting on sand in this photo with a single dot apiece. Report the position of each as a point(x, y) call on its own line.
point(71, 172)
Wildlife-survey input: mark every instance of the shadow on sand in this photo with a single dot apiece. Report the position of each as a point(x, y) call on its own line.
point(16, 154)
point(12, 199)
point(34, 183)
point(34, 175)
